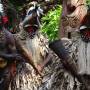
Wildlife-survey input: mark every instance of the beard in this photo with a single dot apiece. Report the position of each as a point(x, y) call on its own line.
point(84, 57)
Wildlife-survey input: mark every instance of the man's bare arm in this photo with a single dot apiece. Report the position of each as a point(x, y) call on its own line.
point(27, 55)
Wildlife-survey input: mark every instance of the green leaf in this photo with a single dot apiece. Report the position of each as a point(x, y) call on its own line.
point(50, 23)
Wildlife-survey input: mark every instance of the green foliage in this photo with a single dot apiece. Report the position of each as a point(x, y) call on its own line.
point(50, 23)
point(88, 4)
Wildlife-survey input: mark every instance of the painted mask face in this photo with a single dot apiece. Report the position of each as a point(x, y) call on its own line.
point(85, 33)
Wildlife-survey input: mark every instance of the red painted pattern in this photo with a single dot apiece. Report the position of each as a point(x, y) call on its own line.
point(5, 19)
point(87, 33)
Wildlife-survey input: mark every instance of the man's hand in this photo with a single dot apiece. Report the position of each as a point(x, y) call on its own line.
point(39, 68)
